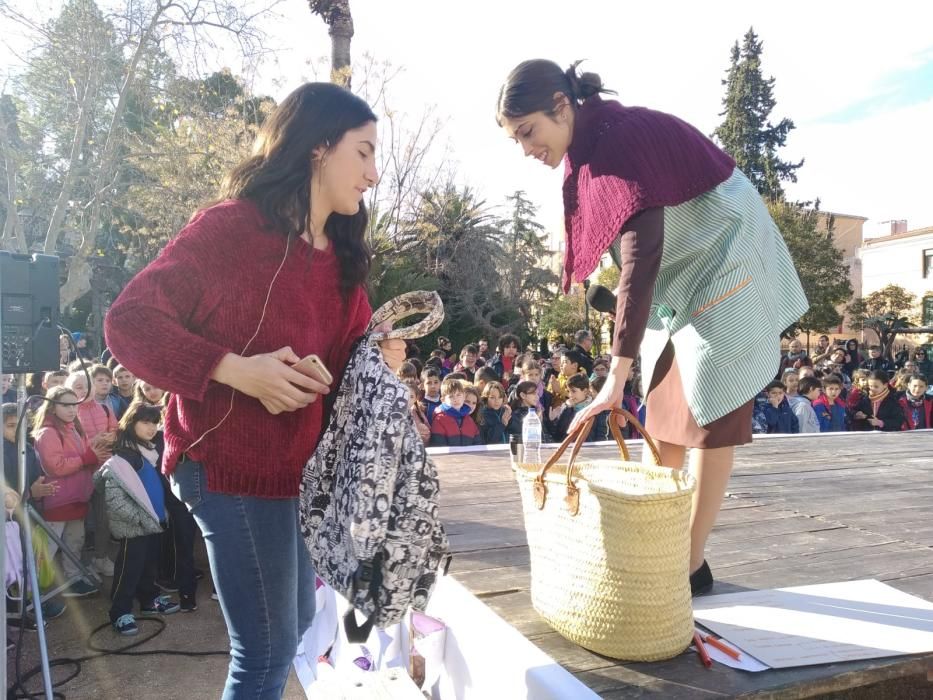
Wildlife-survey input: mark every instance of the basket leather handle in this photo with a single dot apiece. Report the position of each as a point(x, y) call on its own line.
point(578, 436)
point(649, 441)
point(579, 433)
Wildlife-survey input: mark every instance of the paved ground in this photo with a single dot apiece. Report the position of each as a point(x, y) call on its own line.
point(159, 677)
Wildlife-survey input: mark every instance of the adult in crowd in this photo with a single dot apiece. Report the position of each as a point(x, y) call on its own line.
point(822, 350)
point(273, 272)
point(83, 351)
point(854, 358)
point(485, 353)
point(836, 364)
point(924, 364)
point(9, 391)
point(583, 344)
point(795, 358)
point(445, 345)
point(876, 360)
point(503, 363)
point(706, 281)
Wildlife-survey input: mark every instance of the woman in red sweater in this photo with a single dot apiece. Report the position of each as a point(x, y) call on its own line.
point(272, 273)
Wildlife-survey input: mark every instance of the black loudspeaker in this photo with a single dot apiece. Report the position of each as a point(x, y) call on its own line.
point(29, 313)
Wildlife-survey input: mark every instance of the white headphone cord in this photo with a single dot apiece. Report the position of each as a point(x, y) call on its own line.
point(262, 317)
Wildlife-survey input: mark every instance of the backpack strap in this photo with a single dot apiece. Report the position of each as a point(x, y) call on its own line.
point(368, 576)
point(403, 306)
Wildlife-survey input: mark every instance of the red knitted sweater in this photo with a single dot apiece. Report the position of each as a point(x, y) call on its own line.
point(202, 298)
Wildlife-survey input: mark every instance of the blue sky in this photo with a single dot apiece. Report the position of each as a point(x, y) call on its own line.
point(905, 88)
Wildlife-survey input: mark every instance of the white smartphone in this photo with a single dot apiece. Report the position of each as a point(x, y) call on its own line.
point(312, 366)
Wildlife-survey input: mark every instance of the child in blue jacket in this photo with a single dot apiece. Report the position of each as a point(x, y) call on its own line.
point(830, 408)
point(777, 413)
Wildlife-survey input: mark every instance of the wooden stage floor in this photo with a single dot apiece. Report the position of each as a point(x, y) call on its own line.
point(799, 510)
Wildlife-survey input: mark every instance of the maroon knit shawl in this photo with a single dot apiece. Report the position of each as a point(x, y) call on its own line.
point(621, 161)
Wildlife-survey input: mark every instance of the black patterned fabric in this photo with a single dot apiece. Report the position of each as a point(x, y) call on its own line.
point(369, 493)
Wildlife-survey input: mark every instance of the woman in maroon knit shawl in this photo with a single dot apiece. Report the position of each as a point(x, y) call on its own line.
point(703, 269)
point(272, 273)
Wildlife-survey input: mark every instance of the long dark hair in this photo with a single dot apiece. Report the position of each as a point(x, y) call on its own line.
point(277, 176)
point(126, 432)
point(531, 87)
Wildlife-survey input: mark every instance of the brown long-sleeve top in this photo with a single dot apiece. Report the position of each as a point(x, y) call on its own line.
point(640, 246)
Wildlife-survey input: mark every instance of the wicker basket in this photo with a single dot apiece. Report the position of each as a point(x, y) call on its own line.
point(610, 549)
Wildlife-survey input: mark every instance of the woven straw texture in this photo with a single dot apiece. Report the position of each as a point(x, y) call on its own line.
point(614, 577)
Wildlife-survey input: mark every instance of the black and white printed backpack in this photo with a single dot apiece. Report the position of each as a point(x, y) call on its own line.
point(369, 493)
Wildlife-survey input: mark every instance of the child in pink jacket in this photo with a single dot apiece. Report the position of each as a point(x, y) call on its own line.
point(68, 458)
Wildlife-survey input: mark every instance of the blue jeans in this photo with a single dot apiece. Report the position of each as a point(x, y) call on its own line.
point(263, 576)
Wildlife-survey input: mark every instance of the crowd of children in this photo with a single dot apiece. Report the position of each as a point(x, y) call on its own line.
point(840, 390)
point(94, 478)
point(477, 398)
point(94, 465)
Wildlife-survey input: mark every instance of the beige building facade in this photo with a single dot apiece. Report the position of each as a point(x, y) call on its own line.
point(848, 235)
point(904, 259)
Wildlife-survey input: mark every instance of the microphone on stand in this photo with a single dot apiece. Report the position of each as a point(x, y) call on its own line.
point(601, 299)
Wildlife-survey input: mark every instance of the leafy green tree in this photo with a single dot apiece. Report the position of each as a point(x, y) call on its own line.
point(178, 168)
point(456, 239)
point(394, 271)
point(12, 150)
point(887, 312)
point(608, 277)
point(488, 270)
point(91, 81)
point(563, 316)
point(823, 273)
point(746, 132)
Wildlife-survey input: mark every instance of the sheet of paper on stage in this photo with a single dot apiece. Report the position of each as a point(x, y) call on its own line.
point(820, 624)
point(745, 662)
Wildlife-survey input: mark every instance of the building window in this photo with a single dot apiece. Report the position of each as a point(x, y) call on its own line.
point(928, 310)
point(928, 263)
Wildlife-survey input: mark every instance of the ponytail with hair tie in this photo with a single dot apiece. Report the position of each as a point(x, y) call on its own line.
point(585, 85)
point(531, 87)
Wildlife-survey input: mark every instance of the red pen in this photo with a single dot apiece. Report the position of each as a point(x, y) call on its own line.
point(728, 651)
point(701, 650)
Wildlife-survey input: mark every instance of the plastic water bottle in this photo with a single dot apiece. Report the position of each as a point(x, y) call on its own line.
point(531, 437)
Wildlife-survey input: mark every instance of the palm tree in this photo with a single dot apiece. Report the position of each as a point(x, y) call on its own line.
point(336, 14)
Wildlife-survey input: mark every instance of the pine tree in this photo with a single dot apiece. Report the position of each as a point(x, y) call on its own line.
point(525, 281)
point(747, 133)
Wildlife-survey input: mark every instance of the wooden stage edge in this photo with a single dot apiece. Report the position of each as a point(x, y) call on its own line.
point(799, 510)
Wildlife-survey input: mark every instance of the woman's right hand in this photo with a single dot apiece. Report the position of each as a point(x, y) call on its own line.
point(270, 379)
point(610, 396)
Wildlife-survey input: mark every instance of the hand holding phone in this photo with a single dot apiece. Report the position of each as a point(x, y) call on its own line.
point(312, 366)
